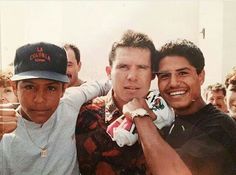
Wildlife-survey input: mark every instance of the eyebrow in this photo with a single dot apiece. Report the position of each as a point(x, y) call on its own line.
point(177, 70)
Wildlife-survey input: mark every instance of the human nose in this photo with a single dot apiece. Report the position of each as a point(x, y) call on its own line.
point(132, 75)
point(214, 102)
point(39, 96)
point(174, 80)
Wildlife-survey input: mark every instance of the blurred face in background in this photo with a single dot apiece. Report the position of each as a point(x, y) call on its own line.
point(217, 98)
point(73, 67)
point(7, 95)
point(231, 99)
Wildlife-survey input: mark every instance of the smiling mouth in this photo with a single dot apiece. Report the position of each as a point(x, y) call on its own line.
point(177, 93)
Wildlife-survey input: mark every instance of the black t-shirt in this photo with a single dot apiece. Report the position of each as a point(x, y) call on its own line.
point(205, 140)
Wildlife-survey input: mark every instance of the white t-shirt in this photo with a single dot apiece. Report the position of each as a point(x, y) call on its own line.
point(20, 152)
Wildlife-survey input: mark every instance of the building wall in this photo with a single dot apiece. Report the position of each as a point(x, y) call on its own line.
point(95, 26)
point(229, 36)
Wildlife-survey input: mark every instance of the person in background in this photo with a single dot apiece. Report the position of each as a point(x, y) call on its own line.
point(6, 91)
point(202, 139)
point(230, 84)
point(216, 95)
point(107, 142)
point(73, 65)
point(39, 137)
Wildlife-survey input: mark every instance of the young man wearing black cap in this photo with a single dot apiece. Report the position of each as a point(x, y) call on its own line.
point(43, 141)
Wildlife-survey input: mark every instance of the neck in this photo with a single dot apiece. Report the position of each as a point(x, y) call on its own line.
point(78, 82)
point(194, 107)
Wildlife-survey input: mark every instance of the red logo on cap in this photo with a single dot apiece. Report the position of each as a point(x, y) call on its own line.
point(40, 56)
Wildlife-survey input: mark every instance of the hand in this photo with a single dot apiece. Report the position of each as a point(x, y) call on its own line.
point(137, 103)
point(9, 105)
point(134, 104)
point(8, 120)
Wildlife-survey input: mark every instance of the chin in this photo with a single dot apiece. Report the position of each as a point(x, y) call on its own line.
point(178, 105)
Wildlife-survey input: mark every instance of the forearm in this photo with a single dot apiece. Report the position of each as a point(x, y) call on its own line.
point(87, 91)
point(160, 157)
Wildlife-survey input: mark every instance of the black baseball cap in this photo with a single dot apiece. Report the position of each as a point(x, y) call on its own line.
point(40, 60)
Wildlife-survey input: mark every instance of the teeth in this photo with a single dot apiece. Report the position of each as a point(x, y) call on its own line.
point(177, 93)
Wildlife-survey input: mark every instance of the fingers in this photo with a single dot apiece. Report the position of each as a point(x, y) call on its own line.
point(7, 112)
point(7, 127)
point(8, 121)
point(9, 105)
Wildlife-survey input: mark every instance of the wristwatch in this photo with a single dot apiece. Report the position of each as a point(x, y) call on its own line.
point(140, 112)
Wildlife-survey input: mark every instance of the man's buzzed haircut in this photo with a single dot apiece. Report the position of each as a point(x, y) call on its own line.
point(133, 39)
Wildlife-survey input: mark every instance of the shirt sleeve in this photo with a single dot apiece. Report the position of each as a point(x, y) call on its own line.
point(79, 95)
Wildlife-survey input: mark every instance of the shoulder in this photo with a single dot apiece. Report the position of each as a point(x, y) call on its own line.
point(214, 116)
point(93, 105)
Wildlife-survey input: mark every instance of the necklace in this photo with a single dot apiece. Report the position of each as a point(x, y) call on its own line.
point(43, 150)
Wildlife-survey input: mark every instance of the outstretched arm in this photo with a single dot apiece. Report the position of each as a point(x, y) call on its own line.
point(160, 157)
point(87, 91)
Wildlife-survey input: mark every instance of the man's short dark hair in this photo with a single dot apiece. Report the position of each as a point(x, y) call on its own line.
point(75, 49)
point(215, 88)
point(231, 77)
point(136, 40)
point(186, 49)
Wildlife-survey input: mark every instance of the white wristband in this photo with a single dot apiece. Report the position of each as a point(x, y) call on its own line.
point(140, 112)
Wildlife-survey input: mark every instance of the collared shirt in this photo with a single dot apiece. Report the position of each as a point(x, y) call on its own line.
point(97, 153)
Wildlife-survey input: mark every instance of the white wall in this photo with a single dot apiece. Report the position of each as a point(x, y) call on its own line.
point(229, 36)
point(94, 26)
point(211, 18)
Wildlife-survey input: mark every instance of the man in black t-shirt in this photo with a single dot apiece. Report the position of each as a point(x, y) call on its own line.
point(202, 139)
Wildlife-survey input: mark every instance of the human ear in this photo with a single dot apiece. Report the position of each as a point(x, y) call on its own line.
point(79, 66)
point(108, 71)
point(202, 76)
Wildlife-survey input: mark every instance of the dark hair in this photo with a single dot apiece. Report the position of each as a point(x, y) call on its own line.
point(75, 49)
point(183, 48)
point(133, 39)
point(216, 88)
point(231, 77)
